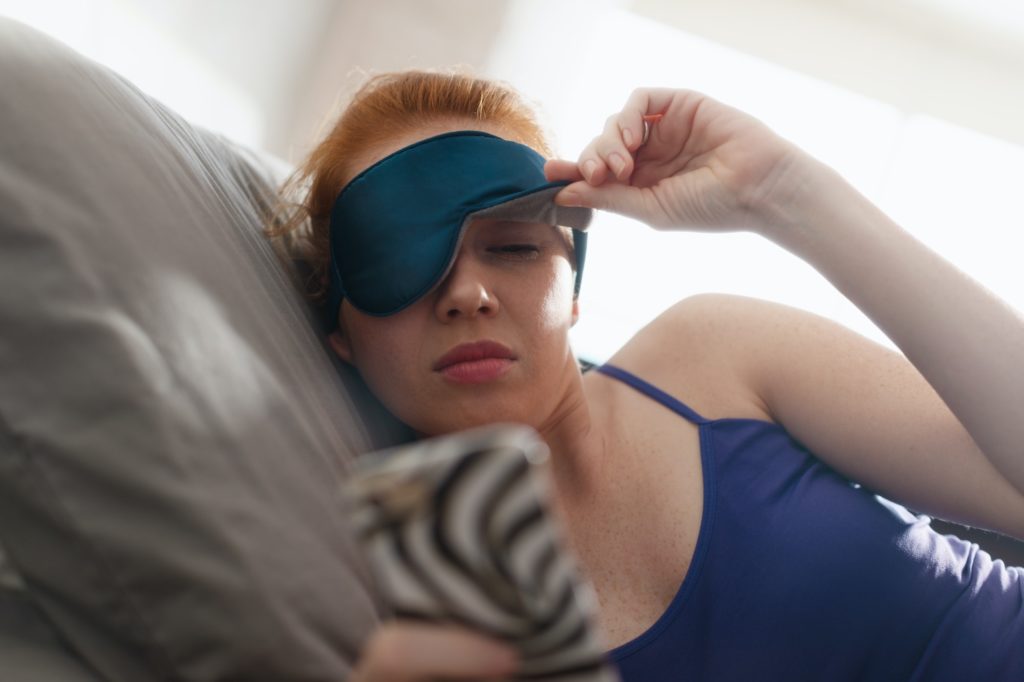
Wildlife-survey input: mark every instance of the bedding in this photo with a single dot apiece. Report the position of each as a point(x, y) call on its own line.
point(173, 429)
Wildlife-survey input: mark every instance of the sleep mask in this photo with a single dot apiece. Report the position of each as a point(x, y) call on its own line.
point(396, 227)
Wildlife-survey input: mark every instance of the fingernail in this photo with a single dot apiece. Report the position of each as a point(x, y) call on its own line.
point(589, 168)
point(569, 199)
point(627, 137)
point(617, 164)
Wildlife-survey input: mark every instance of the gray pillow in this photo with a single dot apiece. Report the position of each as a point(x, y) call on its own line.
point(172, 428)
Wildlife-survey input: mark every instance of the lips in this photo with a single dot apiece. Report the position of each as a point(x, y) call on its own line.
point(475, 363)
point(472, 352)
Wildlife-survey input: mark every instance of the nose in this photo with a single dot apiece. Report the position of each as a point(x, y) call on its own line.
point(465, 292)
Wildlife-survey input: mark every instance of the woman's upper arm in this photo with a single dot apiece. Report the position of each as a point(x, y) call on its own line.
point(862, 408)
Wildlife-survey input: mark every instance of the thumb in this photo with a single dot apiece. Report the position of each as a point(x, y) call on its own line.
point(612, 196)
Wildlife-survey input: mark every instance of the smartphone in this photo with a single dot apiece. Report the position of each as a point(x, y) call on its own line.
point(458, 530)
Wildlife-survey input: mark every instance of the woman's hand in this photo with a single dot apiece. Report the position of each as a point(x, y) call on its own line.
point(704, 166)
point(408, 652)
point(708, 166)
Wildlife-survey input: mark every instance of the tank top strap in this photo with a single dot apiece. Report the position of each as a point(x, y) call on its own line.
point(652, 392)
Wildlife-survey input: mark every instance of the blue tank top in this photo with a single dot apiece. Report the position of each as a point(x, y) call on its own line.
point(799, 574)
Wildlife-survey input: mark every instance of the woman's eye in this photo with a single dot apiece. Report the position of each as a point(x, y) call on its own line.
point(522, 251)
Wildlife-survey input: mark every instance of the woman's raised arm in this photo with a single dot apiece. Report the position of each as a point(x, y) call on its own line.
point(707, 166)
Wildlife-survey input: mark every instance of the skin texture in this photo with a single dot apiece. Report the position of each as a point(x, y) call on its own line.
point(511, 283)
point(937, 427)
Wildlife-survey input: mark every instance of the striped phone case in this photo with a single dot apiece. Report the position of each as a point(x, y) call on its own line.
point(457, 530)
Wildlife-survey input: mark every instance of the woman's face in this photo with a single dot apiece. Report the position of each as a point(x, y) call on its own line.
point(488, 344)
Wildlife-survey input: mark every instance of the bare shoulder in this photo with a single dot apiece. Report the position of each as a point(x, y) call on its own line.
point(861, 407)
point(698, 351)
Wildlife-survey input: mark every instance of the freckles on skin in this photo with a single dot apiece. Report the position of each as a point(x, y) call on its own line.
point(385, 350)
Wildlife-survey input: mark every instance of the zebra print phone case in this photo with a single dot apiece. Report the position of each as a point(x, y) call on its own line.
point(458, 531)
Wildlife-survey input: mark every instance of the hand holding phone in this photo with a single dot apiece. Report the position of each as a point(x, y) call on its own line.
point(459, 532)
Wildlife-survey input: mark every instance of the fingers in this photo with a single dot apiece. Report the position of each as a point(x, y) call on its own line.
point(559, 169)
point(644, 104)
point(612, 153)
point(611, 148)
point(606, 156)
point(634, 202)
point(410, 652)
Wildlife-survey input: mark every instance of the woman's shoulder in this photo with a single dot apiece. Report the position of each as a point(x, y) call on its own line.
point(697, 351)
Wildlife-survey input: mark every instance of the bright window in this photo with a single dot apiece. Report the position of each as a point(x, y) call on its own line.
point(956, 190)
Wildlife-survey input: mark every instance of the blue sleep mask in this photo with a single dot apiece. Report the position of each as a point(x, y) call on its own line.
point(396, 227)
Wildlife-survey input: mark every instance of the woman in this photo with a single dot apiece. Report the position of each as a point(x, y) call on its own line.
point(719, 546)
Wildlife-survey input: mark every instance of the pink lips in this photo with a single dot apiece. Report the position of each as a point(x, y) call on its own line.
point(475, 363)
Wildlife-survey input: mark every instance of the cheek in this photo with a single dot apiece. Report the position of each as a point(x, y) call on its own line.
point(556, 304)
point(384, 353)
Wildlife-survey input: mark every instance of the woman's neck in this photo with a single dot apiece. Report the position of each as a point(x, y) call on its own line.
point(577, 442)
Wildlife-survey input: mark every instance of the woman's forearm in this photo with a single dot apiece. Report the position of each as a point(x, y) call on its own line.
point(966, 342)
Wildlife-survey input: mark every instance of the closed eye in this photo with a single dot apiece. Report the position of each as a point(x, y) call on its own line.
point(517, 251)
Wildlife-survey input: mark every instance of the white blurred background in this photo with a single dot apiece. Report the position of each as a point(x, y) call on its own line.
point(919, 103)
